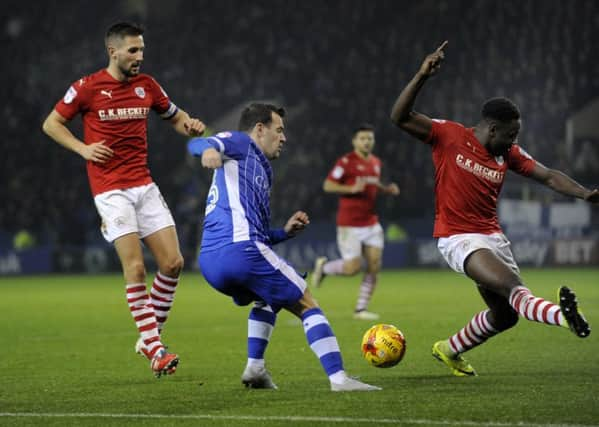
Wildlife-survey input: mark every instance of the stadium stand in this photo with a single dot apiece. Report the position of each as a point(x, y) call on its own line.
point(334, 64)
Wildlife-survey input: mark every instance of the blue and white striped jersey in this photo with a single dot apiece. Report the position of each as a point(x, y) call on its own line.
point(238, 203)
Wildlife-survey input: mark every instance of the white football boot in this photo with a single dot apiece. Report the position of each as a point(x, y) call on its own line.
point(350, 384)
point(257, 377)
point(365, 315)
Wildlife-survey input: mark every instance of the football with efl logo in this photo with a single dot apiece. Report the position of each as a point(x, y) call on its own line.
point(383, 346)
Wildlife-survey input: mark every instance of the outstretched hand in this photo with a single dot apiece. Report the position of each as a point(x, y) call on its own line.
point(298, 221)
point(593, 196)
point(432, 62)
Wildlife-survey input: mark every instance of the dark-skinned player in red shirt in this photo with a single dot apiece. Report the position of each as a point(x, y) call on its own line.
point(470, 166)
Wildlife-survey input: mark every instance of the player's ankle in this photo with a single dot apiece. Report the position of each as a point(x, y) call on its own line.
point(338, 377)
point(255, 363)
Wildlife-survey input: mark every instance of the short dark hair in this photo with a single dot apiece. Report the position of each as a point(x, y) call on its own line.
point(501, 109)
point(258, 113)
point(123, 29)
point(363, 127)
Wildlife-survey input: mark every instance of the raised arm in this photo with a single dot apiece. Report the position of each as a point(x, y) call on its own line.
point(402, 113)
point(562, 183)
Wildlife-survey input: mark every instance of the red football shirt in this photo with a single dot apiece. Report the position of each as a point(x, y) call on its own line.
point(357, 210)
point(116, 112)
point(468, 179)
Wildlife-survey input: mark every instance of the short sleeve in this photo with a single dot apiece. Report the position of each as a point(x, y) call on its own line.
point(520, 161)
point(73, 101)
point(439, 130)
point(233, 145)
point(161, 102)
point(338, 171)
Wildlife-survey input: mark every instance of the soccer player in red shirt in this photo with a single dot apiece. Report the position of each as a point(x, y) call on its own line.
point(114, 104)
point(356, 179)
point(470, 166)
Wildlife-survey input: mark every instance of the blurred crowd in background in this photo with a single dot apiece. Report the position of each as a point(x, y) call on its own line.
point(333, 64)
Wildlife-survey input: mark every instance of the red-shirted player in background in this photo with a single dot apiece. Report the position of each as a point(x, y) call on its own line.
point(356, 178)
point(114, 103)
point(470, 166)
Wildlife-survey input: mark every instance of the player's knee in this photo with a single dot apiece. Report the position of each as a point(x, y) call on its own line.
point(374, 266)
point(173, 266)
point(510, 281)
point(352, 266)
point(135, 272)
point(305, 303)
point(514, 280)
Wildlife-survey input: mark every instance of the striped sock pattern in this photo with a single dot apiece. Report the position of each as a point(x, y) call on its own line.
point(143, 314)
point(322, 340)
point(476, 332)
point(261, 322)
point(163, 295)
point(534, 308)
point(366, 290)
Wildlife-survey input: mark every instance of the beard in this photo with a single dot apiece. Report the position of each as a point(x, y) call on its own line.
point(500, 150)
point(128, 72)
point(503, 151)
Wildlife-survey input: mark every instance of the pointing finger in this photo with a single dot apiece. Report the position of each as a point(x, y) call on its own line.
point(440, 48)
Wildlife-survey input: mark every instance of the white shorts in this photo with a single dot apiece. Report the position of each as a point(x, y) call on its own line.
point(455, 249)
point(351, 239)
point(140, 210)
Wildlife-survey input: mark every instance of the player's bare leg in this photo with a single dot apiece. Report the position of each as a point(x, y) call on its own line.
point(491, 273)
point(499, 317)
point(130, 253)
point(501, 314)
point(350, 266)
point(337, 267)
point(484, 267)
point(373, 257)
point(164, 245)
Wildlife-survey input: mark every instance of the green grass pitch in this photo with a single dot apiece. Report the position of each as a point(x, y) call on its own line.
point(67, 358)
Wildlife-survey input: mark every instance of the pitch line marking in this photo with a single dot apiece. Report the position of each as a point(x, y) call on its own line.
point(290, 418)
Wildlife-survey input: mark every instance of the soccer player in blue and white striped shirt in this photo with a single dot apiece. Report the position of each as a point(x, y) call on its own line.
point(236, 257)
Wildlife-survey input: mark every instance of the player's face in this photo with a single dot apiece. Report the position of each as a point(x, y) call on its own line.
point(363, 142)
point(503, 136)
point(272, 137)
point(129, 54)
